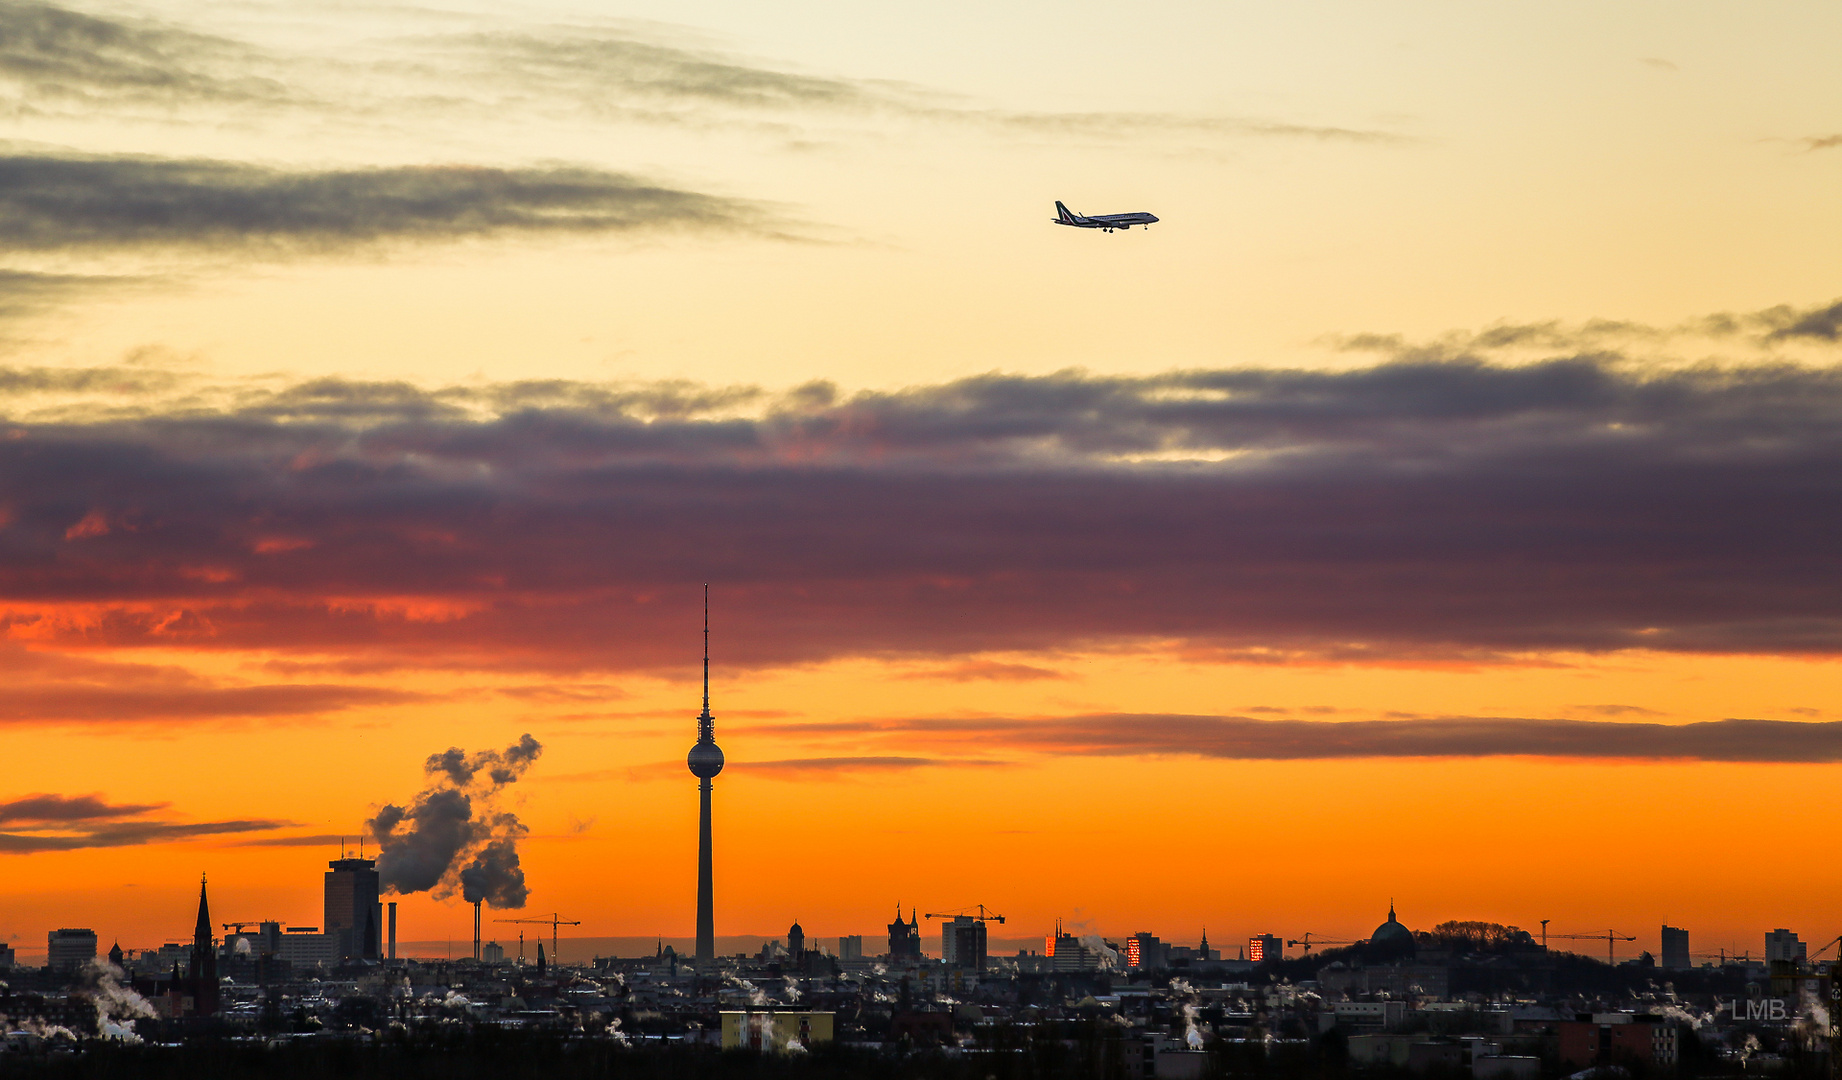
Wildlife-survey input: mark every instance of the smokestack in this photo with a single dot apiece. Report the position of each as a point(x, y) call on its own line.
point(476, 929)
point(393, 930)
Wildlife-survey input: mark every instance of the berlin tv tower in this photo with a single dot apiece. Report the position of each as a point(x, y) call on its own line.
point(705, 761)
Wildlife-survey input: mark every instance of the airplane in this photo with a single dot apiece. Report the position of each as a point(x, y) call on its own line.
point(1109, 222)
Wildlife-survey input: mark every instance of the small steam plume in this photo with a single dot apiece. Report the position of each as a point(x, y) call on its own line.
point(1192, 1035)
point(426, 846)
point(117, 1006)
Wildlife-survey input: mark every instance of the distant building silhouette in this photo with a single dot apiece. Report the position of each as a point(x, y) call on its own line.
point(1676, 949)
point(796, 942)
point(1144, 952)
point(904, 937)
point(1391, 940)
point(1781, 944)
point(1265, 948)
point(962, 943)
point(69, 948)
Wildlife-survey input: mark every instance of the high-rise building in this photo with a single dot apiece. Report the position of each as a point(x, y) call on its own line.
point(354, 916)
point(904, 938)
point(962, 943)
point(492, 953)
point(796, 941)
point(201, 971)
point(7, 957)
point(850, 947)
point(1144, 952)
point(1781, 944)
point(1262, 948)
point(705, 760)
point(69, 948)
point(1675, 949)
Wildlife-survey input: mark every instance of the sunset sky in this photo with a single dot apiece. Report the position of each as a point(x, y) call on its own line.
point(1442, 503)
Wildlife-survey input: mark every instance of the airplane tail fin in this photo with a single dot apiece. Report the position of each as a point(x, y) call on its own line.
point(1062, 214)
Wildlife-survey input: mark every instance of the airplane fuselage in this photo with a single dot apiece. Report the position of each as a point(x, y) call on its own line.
point(1109, 222)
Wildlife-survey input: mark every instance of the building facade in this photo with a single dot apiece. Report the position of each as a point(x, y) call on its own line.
point(1614, 1038)
point(354, 914)
point(69, 948)
point(1781, 944)
point(962, 943)
point(1676, 949)
point(1144, 952)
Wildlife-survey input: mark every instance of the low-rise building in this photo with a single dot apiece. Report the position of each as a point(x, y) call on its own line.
point(774, 1030)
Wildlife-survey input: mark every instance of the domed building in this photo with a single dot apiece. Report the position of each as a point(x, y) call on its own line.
point(1391, 940)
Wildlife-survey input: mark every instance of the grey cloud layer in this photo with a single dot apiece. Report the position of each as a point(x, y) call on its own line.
point(1452, 508)
point(130, 834)
point(1243, 738)
point(52, 52)
point(50, 203)
point(57, 54)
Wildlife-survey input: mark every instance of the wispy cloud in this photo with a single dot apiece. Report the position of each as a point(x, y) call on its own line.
point(794, 768)
point(980, 670)
point(129, 834)
point(60, 808)
point(56, 54)
point(1245, 738)
point(47, 822)
point(58, 203)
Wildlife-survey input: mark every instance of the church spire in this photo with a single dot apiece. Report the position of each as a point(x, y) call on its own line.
point(201, 934)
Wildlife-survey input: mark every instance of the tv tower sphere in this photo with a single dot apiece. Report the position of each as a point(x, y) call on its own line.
point(705, 760)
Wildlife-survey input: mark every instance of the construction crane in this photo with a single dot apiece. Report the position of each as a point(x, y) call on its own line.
point(555, 921)
point(984, 915)
point(1611, 937)
point(238, 925)
point(1307, 942)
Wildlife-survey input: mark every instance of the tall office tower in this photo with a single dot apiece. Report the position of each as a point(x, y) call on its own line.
point(68, 948)
point(1144, 952)
point(1675, 949)
point(202, 970)
point(962, 943)
point(705, 761)
point(1264, 948)
point(354, 917)
point(850, 947)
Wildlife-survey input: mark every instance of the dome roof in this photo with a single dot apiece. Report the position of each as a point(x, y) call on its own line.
point(1391, 932)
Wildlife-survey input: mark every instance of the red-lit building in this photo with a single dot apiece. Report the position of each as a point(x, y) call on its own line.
point(1612, 1038)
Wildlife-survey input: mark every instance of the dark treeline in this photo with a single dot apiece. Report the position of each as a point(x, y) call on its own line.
point(1091, 1050)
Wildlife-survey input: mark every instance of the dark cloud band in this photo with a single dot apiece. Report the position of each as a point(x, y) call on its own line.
point(1407, 509)
point(1243, 738)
